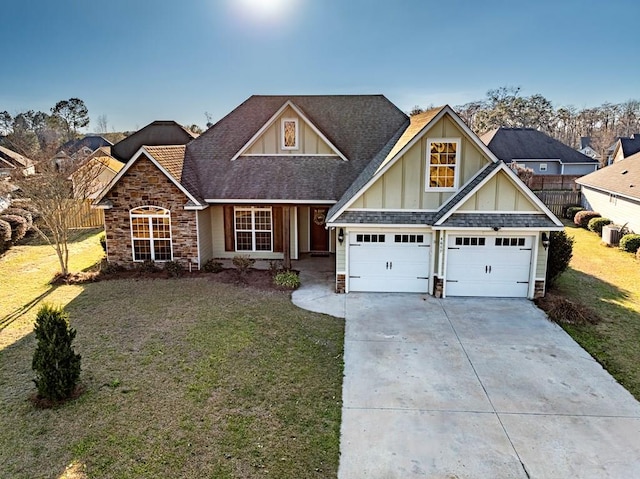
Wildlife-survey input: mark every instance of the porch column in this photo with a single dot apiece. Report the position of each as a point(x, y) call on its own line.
point(286, 236)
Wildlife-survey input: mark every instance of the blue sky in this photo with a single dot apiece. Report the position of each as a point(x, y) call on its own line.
point(136, 61)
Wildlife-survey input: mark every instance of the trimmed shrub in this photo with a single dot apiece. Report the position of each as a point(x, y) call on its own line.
point(147, 266)
point(571, 211)
point(287, 279)
point(630, 243)
point(583, 217)
point(26, 205)
point(20, 212)
point(103, 242)
point(560, 253)
point(174, 268)
point(56, 364)
point(18, 226)
point(243, 262)
point(596, 224)
point(5, 236)
point(212, 266)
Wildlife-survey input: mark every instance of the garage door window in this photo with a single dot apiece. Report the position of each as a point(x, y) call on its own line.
point(409, 238)
point(470, 241)
point(510, 241)
point(367, 238)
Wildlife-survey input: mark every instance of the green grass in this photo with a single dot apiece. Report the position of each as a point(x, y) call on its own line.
point(607, 280)
point(182, 377)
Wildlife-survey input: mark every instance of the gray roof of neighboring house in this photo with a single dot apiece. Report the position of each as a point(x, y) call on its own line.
point(386, 217)
point(510, 144)
point(630, 146)
point(498, 220)
point(621, 177)
point(157, 133)
point(359, 126)
point(93, 142)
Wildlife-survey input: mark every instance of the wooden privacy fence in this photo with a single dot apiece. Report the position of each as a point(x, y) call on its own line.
point(553, 182)
point(557, 201)
point(88, 217)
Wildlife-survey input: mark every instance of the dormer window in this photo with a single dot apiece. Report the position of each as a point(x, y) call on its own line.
point(443, 158)
point(289, 134)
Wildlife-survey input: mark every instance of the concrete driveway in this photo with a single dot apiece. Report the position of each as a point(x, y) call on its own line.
point(474, 388)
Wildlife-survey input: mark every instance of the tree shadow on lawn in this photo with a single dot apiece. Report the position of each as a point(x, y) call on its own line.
point(75, 236)
point(614, 341)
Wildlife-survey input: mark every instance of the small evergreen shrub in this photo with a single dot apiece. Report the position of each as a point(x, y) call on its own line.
point(56, 364)
point(559, 255)
point(174, 268)
point(212, 266)
point(147, 266)
point(630, 243)
point(583, 217)
point(287, 279)
point(5, 236)
point(571, 211)
point(596, 224)
point(103, 241)
point(243, 262)
point(18, 226)
point(110, 268)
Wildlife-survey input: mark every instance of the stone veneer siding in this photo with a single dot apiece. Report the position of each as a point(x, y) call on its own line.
point(145, 185)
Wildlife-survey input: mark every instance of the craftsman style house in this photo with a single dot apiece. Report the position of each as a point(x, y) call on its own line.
point(405, 204)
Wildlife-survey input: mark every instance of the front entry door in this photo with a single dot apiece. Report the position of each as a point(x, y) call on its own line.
point(319, 234)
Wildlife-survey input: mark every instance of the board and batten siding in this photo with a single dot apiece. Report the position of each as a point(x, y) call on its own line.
point(309, 143)
point(541, 263)
point(205, 236)
point(498, 194)
point(619, 210)
point(403, 184)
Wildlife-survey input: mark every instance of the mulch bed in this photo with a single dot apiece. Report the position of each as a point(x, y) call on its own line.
point(255, 278)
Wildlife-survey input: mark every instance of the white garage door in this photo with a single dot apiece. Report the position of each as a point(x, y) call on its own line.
point(389, 262)
point(488, 266)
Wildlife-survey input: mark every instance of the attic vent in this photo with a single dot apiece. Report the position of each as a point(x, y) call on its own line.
point(624, 172)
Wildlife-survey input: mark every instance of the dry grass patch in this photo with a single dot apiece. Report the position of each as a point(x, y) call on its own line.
point(183, 378)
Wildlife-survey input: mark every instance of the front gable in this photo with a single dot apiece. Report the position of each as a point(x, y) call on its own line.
point(289, 132)
point(499, 194)
point(406, 181)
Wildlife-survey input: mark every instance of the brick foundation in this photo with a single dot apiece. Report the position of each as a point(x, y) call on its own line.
point(538, 290)
point(438, 285)
point(341, 283)
point(144, 185)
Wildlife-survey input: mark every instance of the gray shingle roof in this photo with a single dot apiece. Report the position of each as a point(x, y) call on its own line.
point(621, 177)
point(157, 133)
point(499, 220)
point(529, 144)
point(358, 125)
point(386, 217)
point(630, 146)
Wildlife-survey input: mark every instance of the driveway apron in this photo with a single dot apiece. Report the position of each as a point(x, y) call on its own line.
point(476, 388)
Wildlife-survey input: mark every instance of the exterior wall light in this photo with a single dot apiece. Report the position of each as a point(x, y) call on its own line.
point(341, 236)
point(545, 240)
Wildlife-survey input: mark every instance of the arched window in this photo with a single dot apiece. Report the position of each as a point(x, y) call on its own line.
point(151, 233)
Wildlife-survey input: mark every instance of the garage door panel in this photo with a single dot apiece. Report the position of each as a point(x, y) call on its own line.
point(393, 263)
point(488, 266)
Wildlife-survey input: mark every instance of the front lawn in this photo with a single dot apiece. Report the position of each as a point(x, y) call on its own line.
point(607, 280)
point(183, 378)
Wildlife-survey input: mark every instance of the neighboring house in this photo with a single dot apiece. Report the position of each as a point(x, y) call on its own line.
point(98, 170)
point(625, 147)
point(405, 204)
point(586, 149)
point(614, 192)
point(154, 134)
point(535, 150)
point(74, 152)
point(12, 163)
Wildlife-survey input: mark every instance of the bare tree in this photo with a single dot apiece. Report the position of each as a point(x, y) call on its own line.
point(102, 124)
point(59, 195)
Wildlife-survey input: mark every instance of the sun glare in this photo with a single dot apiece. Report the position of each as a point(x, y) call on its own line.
point(264, 10)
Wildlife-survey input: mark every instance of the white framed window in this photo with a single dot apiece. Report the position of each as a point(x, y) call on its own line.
point(443, 159)
point(151, 233)
point(289, 140)
point(253, 228)
point(543, 167)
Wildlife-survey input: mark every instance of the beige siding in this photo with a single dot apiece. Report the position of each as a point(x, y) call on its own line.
point(269, 143)
point(341, 258)
point(541, 264)
point(403, 184)
point(619, 210)
point(498, 194)
point(205, 241)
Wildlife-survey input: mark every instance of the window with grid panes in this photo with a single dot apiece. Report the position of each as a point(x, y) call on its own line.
point(442, 163)
point(151, 233)
point(253, 229)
